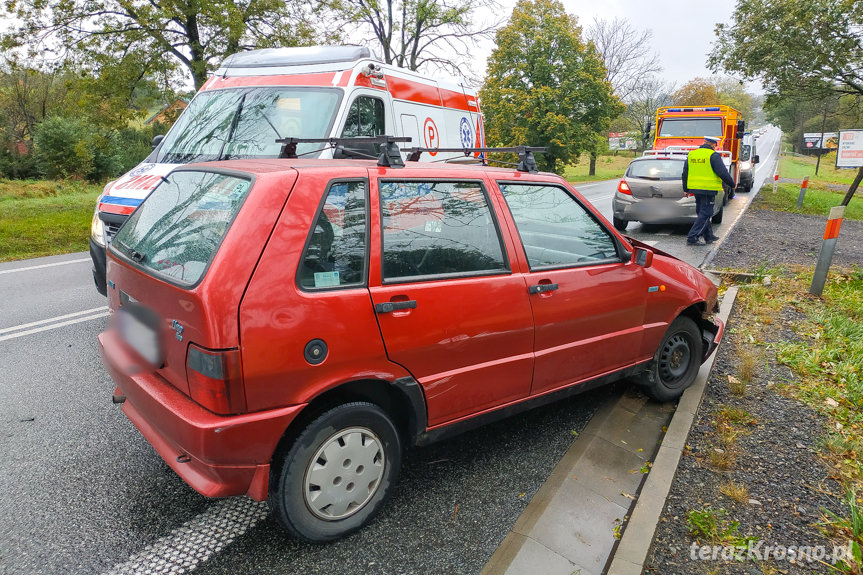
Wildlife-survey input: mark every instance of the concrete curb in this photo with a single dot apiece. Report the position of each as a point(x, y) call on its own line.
point(570, 525)
point(631, 553)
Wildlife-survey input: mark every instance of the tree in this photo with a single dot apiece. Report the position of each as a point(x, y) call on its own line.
point(148, 36)
point(697, 92)
point(629, 60)
point(416, 33)
point(545, 86)
point(794, 45)
point(653, 93)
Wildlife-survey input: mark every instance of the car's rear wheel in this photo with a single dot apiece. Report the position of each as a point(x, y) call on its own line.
point(337, 474)
point(619, 224)
point(717, 217)
point(676, 362)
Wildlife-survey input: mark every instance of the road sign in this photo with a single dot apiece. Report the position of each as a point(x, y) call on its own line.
point(850, 151)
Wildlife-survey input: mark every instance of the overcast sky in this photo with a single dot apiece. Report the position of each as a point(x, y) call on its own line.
point(682, 29)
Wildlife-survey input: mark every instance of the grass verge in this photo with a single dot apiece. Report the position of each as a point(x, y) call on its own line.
point(799, 167)
point(607, 168)
point(818, 200)
point(826, 356)
point(42, 218)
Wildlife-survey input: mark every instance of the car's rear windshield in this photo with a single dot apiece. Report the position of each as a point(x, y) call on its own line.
point(656, 169)
point(690, 127)
point(177, 230)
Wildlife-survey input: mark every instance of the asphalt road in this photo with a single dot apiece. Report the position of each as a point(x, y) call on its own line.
point(83, 492)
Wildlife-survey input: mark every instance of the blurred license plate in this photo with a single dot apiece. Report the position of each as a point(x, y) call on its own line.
point(138, 326)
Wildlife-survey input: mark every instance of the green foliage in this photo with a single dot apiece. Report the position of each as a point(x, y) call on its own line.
point(72, 147)
point(713, 525)
point(130, 40)
point(44, 218)
point(545, 86)
point(794, 45)
point(797, 167)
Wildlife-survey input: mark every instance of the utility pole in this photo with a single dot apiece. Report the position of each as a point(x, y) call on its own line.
point(823, 143)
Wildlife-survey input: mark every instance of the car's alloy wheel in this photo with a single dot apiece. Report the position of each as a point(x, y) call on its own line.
point(337, 473)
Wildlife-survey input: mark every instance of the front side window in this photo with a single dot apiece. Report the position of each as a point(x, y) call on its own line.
point(745, 152)
point(690, 127)
point(555, 229)
point(335, 254)
point(438, 229)
point(177, 230)
point(246, 122)
point(365, 118)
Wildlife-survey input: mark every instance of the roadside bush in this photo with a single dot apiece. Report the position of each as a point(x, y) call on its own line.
point(72, 148)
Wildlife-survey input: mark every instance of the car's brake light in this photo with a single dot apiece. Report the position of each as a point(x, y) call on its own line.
point(216, 379)
point(623, 188)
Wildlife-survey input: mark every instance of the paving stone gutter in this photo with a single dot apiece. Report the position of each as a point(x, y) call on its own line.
point(597, 512)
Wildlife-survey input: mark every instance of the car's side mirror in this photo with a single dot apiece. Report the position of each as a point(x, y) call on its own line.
point(157, 140)
point(755, 159)
point(642, 257)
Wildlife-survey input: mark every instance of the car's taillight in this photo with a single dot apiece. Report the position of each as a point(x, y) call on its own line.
point(216, 379)
point(623, 188)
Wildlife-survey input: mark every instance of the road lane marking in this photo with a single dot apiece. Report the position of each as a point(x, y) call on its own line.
point(78, 261)
point(51, 326)
point(51, 319)
point(194, 542)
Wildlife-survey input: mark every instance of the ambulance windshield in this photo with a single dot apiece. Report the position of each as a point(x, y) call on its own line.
point(246, 122)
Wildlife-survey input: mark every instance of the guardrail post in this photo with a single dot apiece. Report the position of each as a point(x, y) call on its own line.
point(831, 236)
point(803, 187)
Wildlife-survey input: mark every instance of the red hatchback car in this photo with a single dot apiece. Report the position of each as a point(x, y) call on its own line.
point(284, 327)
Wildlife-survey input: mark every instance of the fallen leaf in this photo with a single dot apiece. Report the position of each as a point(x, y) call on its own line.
point(831, 402)
point(733, 380)
point(627, 495)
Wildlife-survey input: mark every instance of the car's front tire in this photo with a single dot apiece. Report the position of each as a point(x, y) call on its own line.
point(675, 364)
point(337, 474)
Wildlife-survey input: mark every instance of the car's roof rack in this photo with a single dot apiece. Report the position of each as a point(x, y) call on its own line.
point(526, 160)
point(390, 155)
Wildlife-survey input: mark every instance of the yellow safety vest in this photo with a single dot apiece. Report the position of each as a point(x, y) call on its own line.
point(700, 176)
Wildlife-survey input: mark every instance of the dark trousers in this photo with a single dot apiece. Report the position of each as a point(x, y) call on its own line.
point(704, 212)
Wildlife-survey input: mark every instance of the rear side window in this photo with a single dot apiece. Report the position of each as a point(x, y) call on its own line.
point(555, 230)
point(177, 230)
point(438, 229)
point(335, 254)
point(656, 169)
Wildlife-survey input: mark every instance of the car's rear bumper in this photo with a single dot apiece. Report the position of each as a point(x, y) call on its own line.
point(216, 455)
point(653, 210)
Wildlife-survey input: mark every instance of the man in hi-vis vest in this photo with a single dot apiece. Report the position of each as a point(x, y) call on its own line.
point(703, 175)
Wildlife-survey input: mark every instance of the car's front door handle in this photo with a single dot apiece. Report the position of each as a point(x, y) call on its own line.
point(542, 288)
point(390, 306)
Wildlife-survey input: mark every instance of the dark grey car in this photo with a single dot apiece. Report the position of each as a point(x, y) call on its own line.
point(651, 192)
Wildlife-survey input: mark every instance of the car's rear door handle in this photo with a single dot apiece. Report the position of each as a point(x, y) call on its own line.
point(390, 306)
point(542, 288)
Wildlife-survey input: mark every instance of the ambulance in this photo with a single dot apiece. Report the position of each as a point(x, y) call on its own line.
point(257, 99)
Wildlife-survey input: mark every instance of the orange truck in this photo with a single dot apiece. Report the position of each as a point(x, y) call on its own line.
point(684, 127)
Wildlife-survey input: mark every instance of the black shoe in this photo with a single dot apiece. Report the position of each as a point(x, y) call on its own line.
point(695, 243)
point(711, 240)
